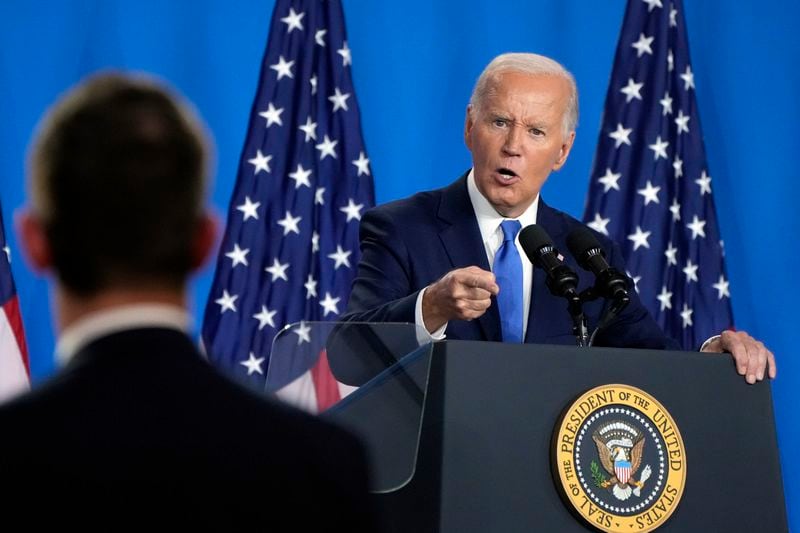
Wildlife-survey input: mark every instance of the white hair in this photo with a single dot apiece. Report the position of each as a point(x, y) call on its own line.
point(532, 64)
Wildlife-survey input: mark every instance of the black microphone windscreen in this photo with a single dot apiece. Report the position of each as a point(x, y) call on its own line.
point(533, 237)
point(581, 240)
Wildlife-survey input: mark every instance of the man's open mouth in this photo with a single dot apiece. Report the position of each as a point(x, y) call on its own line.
point(507, 172)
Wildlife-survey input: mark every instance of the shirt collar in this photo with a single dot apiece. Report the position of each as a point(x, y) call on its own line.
point(101, 323)
point(488, 218)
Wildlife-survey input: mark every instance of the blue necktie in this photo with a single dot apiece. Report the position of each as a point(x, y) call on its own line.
point(508, 272)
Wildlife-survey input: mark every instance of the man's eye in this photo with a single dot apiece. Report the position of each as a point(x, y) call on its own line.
point(536, 132)
point(500, 123)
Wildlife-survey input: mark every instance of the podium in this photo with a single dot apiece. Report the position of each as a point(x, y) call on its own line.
point(477, 421)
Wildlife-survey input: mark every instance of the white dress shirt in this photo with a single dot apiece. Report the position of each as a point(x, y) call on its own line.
point(101, 323)
point(489, 222)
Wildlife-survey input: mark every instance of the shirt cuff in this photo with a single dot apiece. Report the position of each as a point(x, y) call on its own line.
point(436, 335)
point(709, 341)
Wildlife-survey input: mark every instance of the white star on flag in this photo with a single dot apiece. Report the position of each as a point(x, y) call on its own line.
point(289, 224)
point(666, 104)
point(318, 198)
point(675, 209)
point(691, 271)
point(697, 226)
point(339, 99)
point(318, 36)
point(227, 302)
point(303, 332)
point(272, 115)
point(665, 298)
point(599, 224)
point(722, 287)
point(639, 238)
point(329, 304)
point(344, 51)
point(688, 78)
point(313, 81)
point(650, 193)
point(678, 166)
point(659, 148)
point(253, 364)
point(352, 210)
point(621, 136)
point(311, 287)
point(300, 177)
point(260, 162)
point(643, 45)
point(238, 256)
point(362, 163)
point(609, 180)
point(705, 183)
point(635, 280)
point(249, 208)
point(293, 20)
point(686, 315)
point(631, 90)
point(651, 4)
point(265, 317)
point(283, 68)
point(310, 129)
point(672, 255)
point(340, 257)
point(314, 242)
point(278, 270)
point(682, 121)
point(327, 148)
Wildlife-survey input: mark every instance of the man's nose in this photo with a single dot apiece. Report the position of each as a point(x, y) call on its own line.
point(513, 140)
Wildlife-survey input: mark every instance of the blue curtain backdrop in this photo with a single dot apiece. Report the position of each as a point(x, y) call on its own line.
point(414, 63)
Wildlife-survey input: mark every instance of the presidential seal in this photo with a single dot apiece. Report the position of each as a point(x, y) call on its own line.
point(619, 460)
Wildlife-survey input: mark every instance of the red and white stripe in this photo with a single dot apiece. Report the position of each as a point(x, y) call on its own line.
point(14, 365)
point(623, 473)
point(316, 390)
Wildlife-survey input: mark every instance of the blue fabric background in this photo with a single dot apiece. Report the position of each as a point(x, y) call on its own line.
point(414, 63)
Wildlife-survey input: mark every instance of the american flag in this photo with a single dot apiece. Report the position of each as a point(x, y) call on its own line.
point(650, 185)
point(291, 242)
point(14, 369)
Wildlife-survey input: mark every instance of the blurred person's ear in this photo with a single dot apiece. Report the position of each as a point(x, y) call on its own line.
point(33, 240)
point(205, 239)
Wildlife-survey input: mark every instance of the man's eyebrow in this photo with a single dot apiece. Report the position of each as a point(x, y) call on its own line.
point(538, 124)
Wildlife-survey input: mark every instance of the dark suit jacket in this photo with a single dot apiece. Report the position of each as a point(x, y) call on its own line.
point(408, 244)
point(140, 424)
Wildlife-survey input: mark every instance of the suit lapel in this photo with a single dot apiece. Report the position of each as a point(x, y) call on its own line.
point(459, 234)
point(544, 315)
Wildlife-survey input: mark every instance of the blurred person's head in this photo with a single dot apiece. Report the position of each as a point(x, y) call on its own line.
point(117, 181)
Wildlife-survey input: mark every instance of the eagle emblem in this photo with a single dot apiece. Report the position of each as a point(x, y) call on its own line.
point(620, 445)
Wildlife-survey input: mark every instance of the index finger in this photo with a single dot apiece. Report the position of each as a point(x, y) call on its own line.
point(482, 279)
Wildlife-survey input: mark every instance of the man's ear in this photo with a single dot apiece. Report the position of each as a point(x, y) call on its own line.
point(34, 241)
point(468, 124)
point(566, 147)
point(205, 239)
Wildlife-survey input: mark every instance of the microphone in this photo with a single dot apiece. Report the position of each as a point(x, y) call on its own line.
point(611, 283)
point(541, 251)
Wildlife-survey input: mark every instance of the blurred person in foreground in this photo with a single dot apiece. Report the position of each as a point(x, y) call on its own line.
point(137, 419)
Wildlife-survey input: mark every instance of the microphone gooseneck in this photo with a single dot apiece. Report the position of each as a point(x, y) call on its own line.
point(561, 280)
point(610, 283)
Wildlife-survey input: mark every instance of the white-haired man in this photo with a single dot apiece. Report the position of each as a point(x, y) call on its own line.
point(442, 258)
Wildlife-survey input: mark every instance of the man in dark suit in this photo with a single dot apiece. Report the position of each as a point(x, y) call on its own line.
point(432, 259)
point(137, 419)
